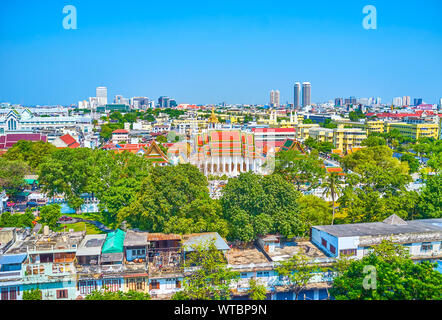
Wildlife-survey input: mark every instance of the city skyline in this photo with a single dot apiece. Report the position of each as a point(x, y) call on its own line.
point(158, 54)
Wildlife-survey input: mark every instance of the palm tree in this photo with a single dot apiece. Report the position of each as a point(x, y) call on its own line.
point(332, 187)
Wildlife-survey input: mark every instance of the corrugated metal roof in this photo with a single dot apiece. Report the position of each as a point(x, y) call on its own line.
point(191, 240)
point(114, 242)
point(12, 259)
point(162, 236)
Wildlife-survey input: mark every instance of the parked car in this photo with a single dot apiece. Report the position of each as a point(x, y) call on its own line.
point(65, 218)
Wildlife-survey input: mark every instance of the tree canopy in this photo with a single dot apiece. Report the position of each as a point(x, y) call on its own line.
point(256, 205)
point(388, 273)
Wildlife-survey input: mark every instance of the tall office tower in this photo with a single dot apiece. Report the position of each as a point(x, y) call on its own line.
point(339, 102)
point(297, 95)
point(164, 102)
point(353, 100)
point(397, 102)
point(274, 98)
point(406, 100)
point(102, 96)
point(306, 94)
point(418, 101)
point(440, 104)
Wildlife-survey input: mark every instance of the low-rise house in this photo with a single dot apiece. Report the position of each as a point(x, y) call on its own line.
point(11, 276)
point(421, 237)
point(136, 276)
point(50, 265)
point(165, 264)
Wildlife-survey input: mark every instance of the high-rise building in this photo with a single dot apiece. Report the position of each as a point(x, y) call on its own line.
point(164, 102)
point(339, 102)
point(406, 100)
point(101, 96)
point(297, 95)
point(397, 102)
point(274, 98)
point(418, 101)
point(306, 94)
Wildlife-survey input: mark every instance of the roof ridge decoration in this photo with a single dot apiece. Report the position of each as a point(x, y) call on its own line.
point(395, 220)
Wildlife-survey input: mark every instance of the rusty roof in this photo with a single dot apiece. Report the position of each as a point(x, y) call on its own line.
point(162, 237)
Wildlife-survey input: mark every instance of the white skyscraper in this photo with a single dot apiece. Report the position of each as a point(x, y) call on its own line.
point(306, 94)
point(397, 102)
point(274, 98)
point(102, 96)
point(406, 100)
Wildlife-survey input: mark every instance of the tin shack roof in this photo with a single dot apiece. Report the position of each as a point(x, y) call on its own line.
point(114, 242)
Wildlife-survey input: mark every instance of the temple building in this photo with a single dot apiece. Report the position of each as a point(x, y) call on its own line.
point(229, 152)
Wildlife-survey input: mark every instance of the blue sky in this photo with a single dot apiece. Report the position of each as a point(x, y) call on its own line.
point(213, 51)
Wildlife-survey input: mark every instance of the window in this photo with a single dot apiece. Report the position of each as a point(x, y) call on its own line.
point(426, 246)
point(87, 287)
point(332, 249)
point(324, 242)
point(154, 285)
point(347, 252)
point(244, 275)
point(62, 294)
point(112, 285)
point(136, 284)
point(4, 294)
point(13, 293)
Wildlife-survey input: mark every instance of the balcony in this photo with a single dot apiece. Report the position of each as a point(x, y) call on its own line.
point(47, 272)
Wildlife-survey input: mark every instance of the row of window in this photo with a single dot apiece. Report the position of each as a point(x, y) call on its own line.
point(10, 293)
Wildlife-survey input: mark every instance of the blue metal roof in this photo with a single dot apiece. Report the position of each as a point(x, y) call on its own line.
point(220, 244)
point(12, 259)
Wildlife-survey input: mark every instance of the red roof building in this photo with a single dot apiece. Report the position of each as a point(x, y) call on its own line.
point(66, 141)
point(8, 140)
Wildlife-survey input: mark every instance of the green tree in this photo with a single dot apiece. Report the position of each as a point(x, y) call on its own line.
point(12, 174)
point(67, 172)
point(50, 214)
point(430, 200)
point(297, 272)
point(377, 169)
point(256, 291)
point(373, 141)
point(299, 168)
point(33, 294)
point(209, 278)
point(332, 185)
point(391, 275)
point(175, 198)
point(256, 205)
point(314, 211)
point(33, 153)
point(118, 295)
point(161, 139)
point(413, 163)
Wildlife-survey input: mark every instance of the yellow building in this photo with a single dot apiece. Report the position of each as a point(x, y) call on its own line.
point(342, 138)
point(414, 130)
point(368, 126)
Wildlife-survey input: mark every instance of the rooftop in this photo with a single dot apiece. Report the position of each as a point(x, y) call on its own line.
point(91, 245)
point(289, 249)
point(246, 254)
point(390, 226)
point(134, 238)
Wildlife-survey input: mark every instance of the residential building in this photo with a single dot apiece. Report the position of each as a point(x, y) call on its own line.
point(274, 98)
point(421, 237)
point(120, 135)
point(306, 94)
point(101, 96)
point(297, 96)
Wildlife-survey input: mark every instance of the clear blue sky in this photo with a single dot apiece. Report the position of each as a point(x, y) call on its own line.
point(213, 51)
